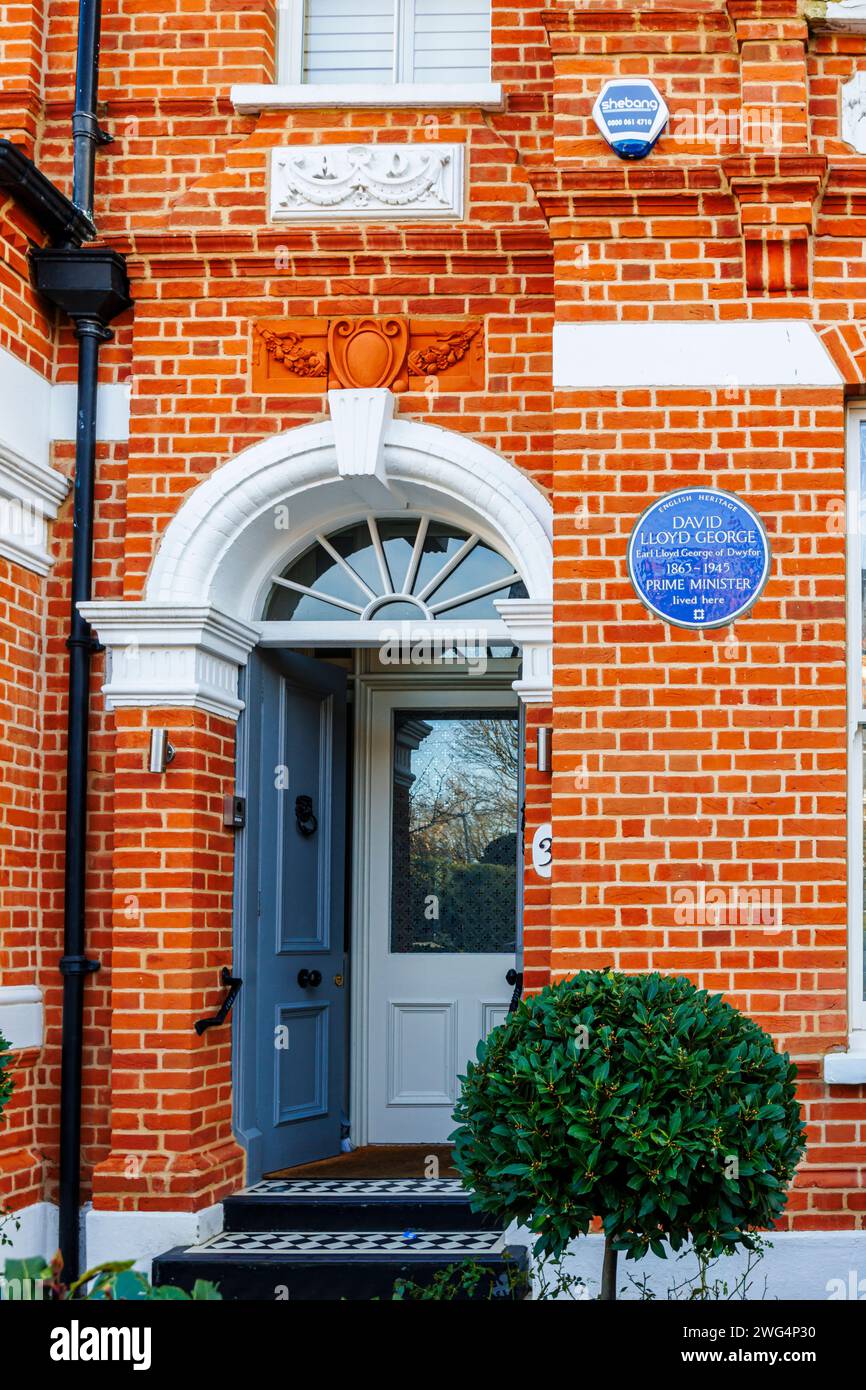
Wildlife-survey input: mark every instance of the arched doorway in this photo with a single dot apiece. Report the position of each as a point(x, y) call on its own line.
point(301, 580)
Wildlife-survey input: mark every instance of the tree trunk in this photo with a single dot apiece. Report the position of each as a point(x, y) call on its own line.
point(608, 1272)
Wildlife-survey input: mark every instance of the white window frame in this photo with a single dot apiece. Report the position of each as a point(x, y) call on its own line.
point(290, 91)
point(290, 40)
point(850, 1067)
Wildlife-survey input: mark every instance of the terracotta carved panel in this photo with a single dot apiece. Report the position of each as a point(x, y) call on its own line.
point(290, 356)
point(306, 356)
point(369, 352)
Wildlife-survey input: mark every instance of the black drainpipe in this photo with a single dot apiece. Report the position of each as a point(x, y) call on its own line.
point(91, 286)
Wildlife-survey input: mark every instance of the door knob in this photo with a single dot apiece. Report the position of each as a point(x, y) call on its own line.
point(511, 977)
point(309, 979)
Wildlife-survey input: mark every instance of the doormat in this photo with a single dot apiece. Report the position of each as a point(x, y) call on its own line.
point(380, 1161)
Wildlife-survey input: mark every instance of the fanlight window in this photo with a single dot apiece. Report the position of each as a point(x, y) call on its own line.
point(390, 569)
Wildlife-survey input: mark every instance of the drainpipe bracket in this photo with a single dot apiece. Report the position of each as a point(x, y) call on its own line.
point(86, 123)
point(78, 965)
point(92, 643)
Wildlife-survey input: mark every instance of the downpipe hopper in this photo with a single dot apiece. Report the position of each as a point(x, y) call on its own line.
point(86, 282)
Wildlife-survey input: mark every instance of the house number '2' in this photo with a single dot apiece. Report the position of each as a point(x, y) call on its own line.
point(542, 850)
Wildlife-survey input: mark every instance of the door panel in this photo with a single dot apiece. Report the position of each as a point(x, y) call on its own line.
point(297, 713)
point(441, 900)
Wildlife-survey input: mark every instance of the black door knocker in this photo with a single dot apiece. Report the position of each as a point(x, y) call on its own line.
point(307, 823)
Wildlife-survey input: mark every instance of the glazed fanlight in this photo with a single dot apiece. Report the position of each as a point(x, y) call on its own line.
point(394, 567)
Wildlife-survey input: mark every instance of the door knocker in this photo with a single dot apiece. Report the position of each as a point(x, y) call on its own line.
point(307, 823)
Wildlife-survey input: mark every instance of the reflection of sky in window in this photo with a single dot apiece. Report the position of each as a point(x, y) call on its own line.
point(442, 752)
point(317, 570)
point(481, 566)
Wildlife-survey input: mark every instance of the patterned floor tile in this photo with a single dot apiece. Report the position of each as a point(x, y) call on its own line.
point(322, 1189)
point(304, 1243)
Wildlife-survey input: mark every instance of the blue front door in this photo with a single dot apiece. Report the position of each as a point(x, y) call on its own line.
point(294, 1023)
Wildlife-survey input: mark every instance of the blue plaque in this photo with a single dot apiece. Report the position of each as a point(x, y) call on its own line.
point(699, 558)
point(631, 114)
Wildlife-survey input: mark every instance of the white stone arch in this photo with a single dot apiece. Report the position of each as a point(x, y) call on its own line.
point(199, 618)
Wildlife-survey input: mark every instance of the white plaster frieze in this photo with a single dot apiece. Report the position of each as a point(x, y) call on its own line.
point(337, 183)
point(854, 111)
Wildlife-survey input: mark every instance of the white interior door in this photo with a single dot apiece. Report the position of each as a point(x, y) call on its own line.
point(442, 893)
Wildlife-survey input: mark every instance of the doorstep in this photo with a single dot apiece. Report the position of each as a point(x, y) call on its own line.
point(331, 1240)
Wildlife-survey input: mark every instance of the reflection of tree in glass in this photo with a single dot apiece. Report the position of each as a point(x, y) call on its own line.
point(461, 834)
point(465, 790)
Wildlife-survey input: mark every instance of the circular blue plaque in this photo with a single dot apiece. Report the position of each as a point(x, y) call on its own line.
point(699, 558)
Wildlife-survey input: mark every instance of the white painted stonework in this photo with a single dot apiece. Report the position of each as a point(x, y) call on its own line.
point(112, 411)
point(160, 655)
point(33, 412)
point(530, 626)
point(360, 419)
point(30, 497)
point(21, 1015)
point(853, 95)
point(185, 642)
point(32, 1233)
point(726, 355)
point(348, 182)
point(803, 1265)
point(842, 15)
point(142, 1235)
point(250, 98)
point(264, 507)
point(845, 1068)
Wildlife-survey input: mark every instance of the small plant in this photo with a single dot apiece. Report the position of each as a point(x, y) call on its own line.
point(34, 1280)
point(637, 1100)
point(6, 1085)
point(466, 1280)
point(6, 1082)
point(702, 1288)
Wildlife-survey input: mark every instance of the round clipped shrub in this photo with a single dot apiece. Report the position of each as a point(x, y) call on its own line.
point(637, 1099)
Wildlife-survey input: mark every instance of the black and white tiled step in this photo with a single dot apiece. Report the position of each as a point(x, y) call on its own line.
point(322, 1245)
point(392, 1204)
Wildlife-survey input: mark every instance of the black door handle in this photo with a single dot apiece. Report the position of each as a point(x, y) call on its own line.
point(309, 979)
point(515, 978)
point(233, 985)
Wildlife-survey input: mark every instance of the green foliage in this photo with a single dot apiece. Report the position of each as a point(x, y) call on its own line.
point(34, 1280)
point(466, 1280)
point(6, 1082)
point(638, 1099)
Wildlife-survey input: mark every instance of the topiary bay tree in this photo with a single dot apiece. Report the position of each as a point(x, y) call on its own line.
point(637, 1099)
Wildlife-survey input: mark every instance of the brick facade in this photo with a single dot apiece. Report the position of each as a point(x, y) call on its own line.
point(680, 761)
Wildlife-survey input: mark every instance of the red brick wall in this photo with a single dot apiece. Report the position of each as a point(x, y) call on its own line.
point(21, 653)
point(109, 510)
point(691, 764)
point(171, 1140)
point(711, 762)
point(680, 760)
